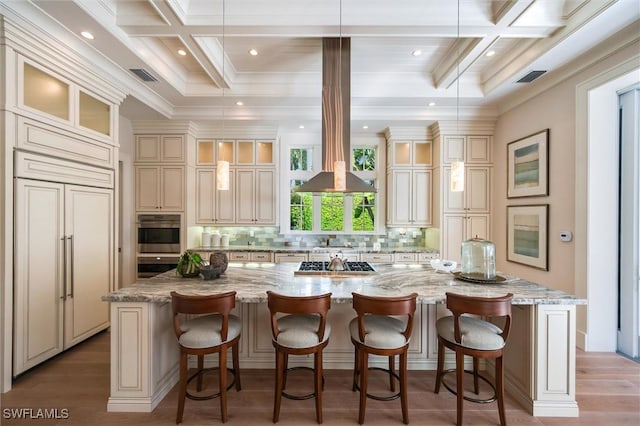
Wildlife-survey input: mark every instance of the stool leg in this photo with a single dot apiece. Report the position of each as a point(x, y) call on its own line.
point(279, 383)
point(222, 370)
point(364, 372)
point(356, 367)
point(236, 365)
point(475, 375)
point(459, 385)
point(403, 387)
point(200, 367)
point(317, 382)
point(182, 392)
point(392, 381)
point(500, 390)
point(285, 370)
point(440, 366)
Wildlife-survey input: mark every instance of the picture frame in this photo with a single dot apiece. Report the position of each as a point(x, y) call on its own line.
point(528, 166)
point(528, 235)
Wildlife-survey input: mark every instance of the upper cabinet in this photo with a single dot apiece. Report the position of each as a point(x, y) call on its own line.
point(241, 152)
point(55, 100)
point(160, 148)
point(409, 153)
point(470, 149)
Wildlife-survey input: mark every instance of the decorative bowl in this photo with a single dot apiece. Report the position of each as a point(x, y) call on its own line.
point(210, 272)
point(220, 260)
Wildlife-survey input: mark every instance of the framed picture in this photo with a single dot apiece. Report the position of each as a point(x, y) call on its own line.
point(527, 235)
point(528, 166)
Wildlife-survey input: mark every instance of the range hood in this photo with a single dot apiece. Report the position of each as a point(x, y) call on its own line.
point(336, 119)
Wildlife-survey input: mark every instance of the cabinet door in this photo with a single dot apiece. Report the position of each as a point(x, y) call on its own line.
point(89, 226)
point(477, 189)
point(478, 149)
point(245, 196)
point(148, 148)
point(147, 188)
point(454, 233)
point(205, 196)
point(172, 188)
point(225, 203)
point(265, 197)
point(478, 226)
point(421, 201)
point(453, 149)
point(453, 201)
point(400, 202)
point(38, 269)
point(172, 148)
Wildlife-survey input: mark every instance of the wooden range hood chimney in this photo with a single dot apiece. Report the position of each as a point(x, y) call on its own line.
point(336, 119)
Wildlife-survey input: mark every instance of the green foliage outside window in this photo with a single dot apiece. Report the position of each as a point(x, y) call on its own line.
point(332, 212)
point(301, 159)
point(364, 208)
point(300, 208)
point(364, 159)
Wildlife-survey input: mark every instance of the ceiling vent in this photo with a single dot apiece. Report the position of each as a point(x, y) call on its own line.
point(143, 74)
point(530, 77)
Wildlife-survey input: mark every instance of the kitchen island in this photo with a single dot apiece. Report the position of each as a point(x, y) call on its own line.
point(539, 360)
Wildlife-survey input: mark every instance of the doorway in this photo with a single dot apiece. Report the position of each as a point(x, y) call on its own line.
point(629, 216)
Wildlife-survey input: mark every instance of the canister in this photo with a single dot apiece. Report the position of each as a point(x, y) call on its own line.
point(206, 239)
point(478, 259)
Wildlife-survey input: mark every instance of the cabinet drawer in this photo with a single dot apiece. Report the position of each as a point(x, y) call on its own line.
point(238, 256)
point(290, 257)
point(262, 256)
point(426, 257)
point(377, 258)
point(405, 257)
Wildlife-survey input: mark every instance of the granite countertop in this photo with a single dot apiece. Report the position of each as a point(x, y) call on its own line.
point(294, 249)
point(252, 280)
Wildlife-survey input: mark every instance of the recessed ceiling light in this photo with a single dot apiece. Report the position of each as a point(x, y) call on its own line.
point(365, 127)
point(253, 52)
point(239, 103)
point(301, 126)
point(432, 104)
point(182, 52)
point(490, 53)
point(87, 35)
point(417, 52)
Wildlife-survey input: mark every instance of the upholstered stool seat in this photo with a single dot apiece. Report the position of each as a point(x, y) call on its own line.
point(475, 337)
point(213, 330)
point(299, 327)
point(383, 327)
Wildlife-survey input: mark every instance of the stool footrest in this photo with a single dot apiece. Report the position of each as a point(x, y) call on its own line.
point(468, 398)
point(377, 397)
point(213, 395)
point(300, 397)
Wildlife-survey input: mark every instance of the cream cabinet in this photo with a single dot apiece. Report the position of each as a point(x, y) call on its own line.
point(255, 196)
point(458, 228)
point(213, 206)
point(409, 153)
point(476, 197)
point(159, 188)
point(470, 149)
point(160, 148)
point(409, 197)
point(64, 258)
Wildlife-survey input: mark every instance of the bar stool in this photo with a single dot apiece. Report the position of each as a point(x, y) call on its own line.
point(375, 331)
point(214, 330)
point(302, 330)
point(475, 337)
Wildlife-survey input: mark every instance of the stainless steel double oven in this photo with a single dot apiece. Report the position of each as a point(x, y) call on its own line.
point(158, 243)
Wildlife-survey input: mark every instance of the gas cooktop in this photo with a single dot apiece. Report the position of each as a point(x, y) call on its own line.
point(321, 268)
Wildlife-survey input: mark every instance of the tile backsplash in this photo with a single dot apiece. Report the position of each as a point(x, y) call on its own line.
point(271, 236)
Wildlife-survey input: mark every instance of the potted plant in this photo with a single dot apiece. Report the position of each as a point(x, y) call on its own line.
point(189, 264)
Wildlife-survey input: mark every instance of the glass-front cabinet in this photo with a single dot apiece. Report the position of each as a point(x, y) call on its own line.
point(240, 152)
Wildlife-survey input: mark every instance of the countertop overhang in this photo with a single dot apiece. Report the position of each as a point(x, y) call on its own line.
point(252, 280)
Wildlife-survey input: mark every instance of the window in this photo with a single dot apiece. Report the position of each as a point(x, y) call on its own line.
point(331, 213)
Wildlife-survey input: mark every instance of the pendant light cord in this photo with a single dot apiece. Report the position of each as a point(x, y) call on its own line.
point(458, 71)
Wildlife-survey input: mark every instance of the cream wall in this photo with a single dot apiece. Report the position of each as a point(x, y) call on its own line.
point(128, 217)
point(557, 110)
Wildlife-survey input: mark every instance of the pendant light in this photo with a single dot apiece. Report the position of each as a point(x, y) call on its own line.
point(222, 171)
point(339, 167)
point(457, 167)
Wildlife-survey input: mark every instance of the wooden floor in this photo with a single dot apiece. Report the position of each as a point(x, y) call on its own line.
point(608, 393)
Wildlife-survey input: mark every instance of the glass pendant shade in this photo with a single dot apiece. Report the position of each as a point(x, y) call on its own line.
point(457, 176)
point(339, 176)
point(222, 176)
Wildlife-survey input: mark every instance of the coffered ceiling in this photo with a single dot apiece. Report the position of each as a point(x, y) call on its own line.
point(281, 85)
